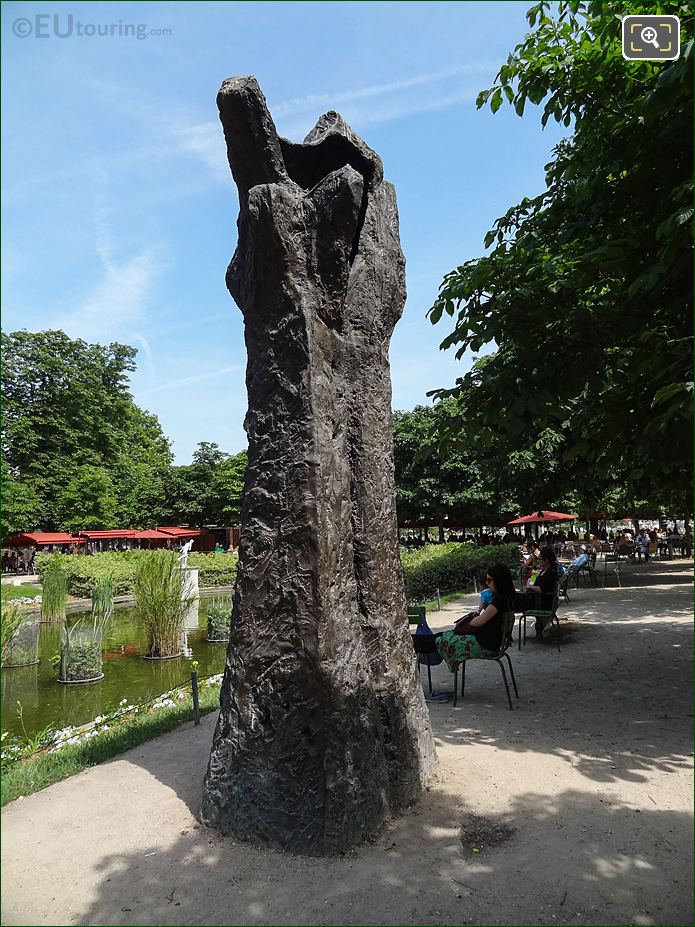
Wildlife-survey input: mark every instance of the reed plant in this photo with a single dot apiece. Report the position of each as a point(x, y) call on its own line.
point(102, 602)
point(159, 606)
point(219, 619)
point(10, 623)
point(81, 642)
point(54, 593)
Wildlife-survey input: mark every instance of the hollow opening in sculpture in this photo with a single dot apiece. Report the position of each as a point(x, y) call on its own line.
point(308, 164)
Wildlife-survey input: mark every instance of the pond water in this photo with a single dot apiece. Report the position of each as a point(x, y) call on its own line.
point(45, 701)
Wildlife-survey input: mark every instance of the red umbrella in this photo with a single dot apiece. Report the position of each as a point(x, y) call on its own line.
point(537, 518)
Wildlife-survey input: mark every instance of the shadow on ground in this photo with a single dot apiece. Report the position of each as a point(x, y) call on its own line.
point(616, 865)
point(571, 809)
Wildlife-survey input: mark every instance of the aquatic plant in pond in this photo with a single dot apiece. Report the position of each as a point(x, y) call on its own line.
point(80, 653)
point(102, 601)
point(46, 701)
point(81, 643)
point(159, 606)
point(219, 619)
point(20, 636)
point(10, 620)
point(54, 594)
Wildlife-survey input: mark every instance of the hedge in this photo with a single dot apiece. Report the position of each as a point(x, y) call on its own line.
point(447, 567)
point(84, 572)
point(451, 567)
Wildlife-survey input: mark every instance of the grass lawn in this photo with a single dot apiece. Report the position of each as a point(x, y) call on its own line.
point(36, 772)
point(431, 604)
point(28, 590)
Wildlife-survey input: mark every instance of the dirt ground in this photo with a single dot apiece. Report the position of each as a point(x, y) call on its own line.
point(575, 808)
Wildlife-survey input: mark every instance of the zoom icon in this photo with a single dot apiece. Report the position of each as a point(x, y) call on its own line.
point(651, 38)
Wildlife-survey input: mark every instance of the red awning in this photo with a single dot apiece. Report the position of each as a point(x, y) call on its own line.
point(152, 535)
point(182, 532)
point(540, 517)
point(41, 539)
point(108, 535)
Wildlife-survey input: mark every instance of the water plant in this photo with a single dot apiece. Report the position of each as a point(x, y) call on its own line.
point(219, 618)
point(55, 592)
point(10, 625)
point(81, 642)
point(159, 606)
point(80, 652)
point(102, 601)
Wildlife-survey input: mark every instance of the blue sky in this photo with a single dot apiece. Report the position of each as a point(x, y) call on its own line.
point(119, 213)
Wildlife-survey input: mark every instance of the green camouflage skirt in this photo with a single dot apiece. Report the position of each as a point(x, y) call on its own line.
point(456, 648)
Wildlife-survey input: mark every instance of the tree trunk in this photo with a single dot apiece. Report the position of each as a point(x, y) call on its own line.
point(323, 731)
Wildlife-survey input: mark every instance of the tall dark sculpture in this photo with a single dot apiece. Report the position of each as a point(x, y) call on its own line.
point(323, 732)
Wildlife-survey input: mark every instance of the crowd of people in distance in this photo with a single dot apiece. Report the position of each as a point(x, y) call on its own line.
point(638, 543)
point(481, 630)
point(19, 561)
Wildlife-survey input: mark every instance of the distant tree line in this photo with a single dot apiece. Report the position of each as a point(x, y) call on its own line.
point(78, 453)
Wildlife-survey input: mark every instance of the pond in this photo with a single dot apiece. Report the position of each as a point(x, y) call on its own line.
point(126, 675)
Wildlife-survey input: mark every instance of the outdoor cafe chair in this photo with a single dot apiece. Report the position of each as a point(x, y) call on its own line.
point(611, 564)
point(570, 574)
point(588, 569)
point(508, 619)
point(551, 613)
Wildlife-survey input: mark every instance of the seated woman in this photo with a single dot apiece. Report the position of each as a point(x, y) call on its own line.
point(539, 594)
point(480, 633)
point(529, 555)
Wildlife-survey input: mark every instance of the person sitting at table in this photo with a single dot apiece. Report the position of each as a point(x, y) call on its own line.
point(582, 559)
point(530, 553)
point(481, 631)
point(539, 593)
point(641, 546)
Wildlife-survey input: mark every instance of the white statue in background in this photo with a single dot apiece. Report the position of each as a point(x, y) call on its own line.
point(183, 555)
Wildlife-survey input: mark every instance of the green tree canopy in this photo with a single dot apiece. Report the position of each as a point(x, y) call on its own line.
point(209, 490)
point(21, 510)
point(88, 502)
point(437, 485)
point(66, 411)
point(586, 293)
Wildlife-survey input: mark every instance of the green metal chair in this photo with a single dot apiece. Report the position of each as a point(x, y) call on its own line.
point(508, 619)
point(611, 564)
point(588, 569)
point(416, 614)
point(571, 574)
point(550, 613)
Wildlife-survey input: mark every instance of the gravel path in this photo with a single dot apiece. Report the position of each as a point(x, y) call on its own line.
point(575, 808)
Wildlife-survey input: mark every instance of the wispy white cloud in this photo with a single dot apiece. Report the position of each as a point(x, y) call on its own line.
point(362, 106)
point(103, 237)
point(117, 301)
point(147, 354)
point(195, 378)
point(207, 142)
point(323, 100)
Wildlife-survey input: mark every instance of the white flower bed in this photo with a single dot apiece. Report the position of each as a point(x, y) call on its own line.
point(75, 734)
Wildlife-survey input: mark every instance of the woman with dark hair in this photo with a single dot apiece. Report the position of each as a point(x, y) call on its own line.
point(539, 593)
point(544, 583)
point(476, 634)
